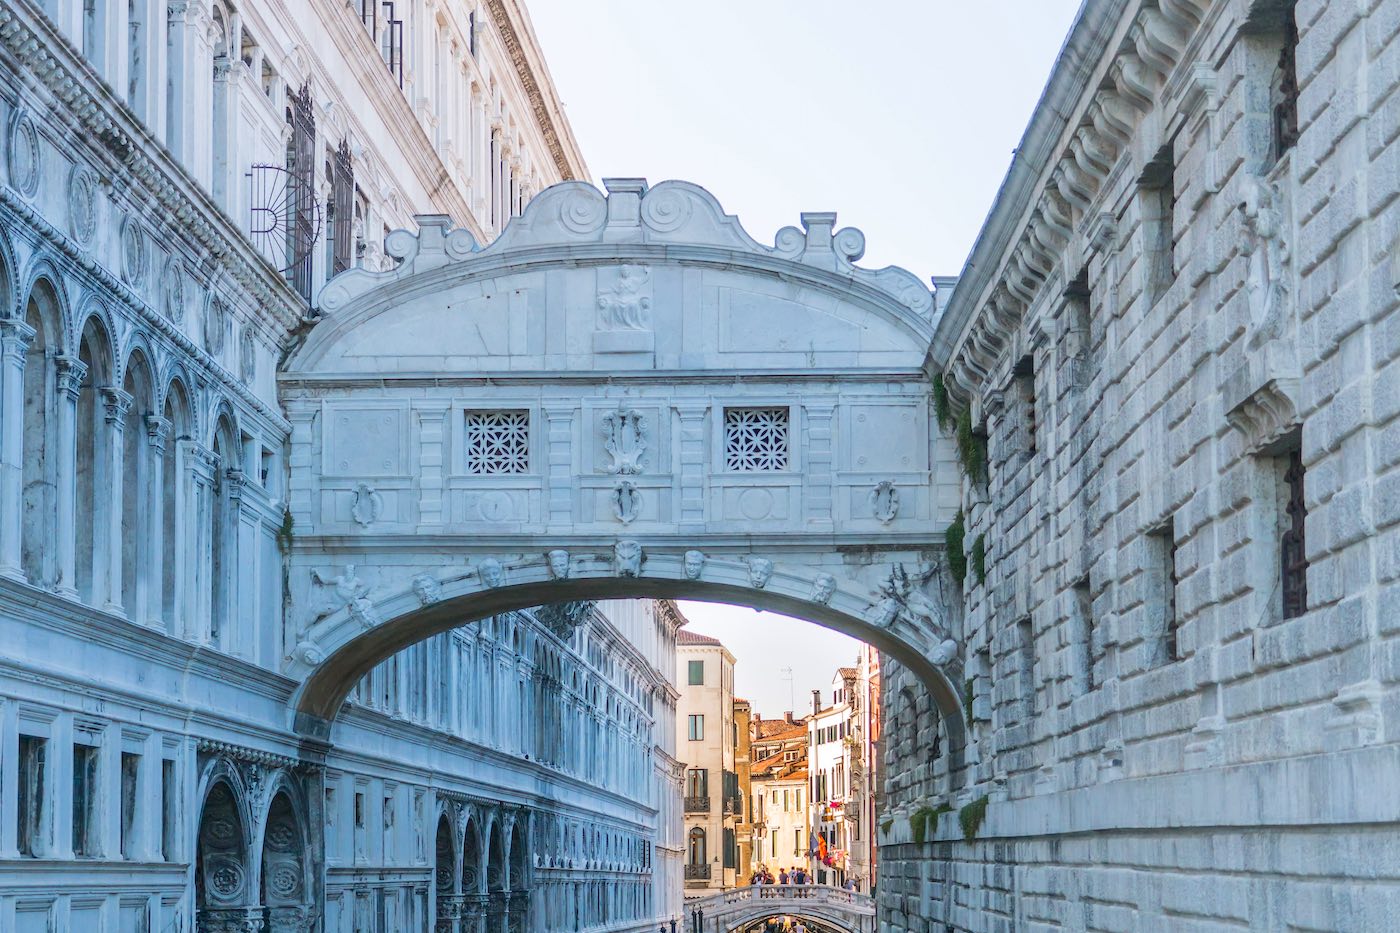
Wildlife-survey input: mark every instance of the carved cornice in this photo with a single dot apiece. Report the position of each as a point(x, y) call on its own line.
point(1050, 211)
point(544, 115)
point(79, 94)
point(249, 755)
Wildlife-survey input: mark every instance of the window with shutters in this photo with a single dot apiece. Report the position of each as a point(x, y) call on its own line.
point(498, 442)
point(341, 221)
point(301, 189)
point(756, 440)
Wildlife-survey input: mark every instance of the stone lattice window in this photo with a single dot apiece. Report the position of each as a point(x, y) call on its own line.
point(498, 442)
point(755, 439)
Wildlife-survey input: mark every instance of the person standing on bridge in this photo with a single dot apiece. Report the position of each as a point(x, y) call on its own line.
point(783, 876)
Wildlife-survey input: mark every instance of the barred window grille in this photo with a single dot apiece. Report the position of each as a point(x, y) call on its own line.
point(755, 439)
point(1293, 550)
point(498, 442)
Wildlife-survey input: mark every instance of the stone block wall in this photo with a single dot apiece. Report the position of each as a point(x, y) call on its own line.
point(1167, 306)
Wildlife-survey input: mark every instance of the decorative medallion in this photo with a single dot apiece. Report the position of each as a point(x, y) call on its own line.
point(215, 324)
point(226, 879)
point(134, 253)
point(884, 502)
point(625, 440)
point(626, 501)
point(24, 155)
point(247, 356)
point(368, 504)
point(173, 291)
point(285, 881)
point(82, 204)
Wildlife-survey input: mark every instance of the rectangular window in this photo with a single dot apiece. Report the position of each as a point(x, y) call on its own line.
point(85, 758)
point(168, 801)
point(796, 842)
point(1024, 374)
point(1283, 89)
point(33, 800)
point(1157, 197)
point(695, 671)
point(131, 769)
point(1083, 634)
point(697, 782)
point(799, 799)
point(1293, 552)
point(755, 440)
point(696, 724)
point(498, 442)
point(1025, 641)
point(1161, 593)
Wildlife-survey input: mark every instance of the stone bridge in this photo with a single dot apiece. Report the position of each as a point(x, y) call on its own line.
point(622, 396)
point(822, 906)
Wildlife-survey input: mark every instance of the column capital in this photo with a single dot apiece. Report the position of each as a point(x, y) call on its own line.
point(236, 480)
point(16, 337)
point(157, 431)
point(115, 403)
point(71, 373)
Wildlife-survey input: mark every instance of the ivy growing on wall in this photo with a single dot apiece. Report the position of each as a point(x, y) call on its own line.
point(978, 556)
point(942, 408)
point(971, 817)
point(972, 449)
point(925, 820)
point(953, 539)
point(284, 534)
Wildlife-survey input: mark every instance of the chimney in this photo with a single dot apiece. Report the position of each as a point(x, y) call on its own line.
point(816, 702)
point(787, 718)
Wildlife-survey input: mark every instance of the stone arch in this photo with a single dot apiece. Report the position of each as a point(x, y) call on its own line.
point(425, 608)
point(473, 877)
point(95, 423)
point(224, 444)
point(9, 295)
point(223, 877)
point(140, 515)
point(178, 416)
point(284, 875)
point(444, 860)
point(496, 872)
point(519, 872)
point(43, 316)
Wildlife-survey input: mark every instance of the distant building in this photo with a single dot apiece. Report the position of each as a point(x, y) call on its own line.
point(706, 743)
point(864, 778)
point(779, 799)
point(742, 803)
point(832, 749)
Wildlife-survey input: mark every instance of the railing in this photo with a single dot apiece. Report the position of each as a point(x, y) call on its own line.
point(697, 805)
point(697, 873)
point(811, 895)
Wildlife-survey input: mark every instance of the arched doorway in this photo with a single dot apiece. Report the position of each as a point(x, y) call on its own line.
point(285, 884)
point(473, 879)
point(519, 880)
point(497, 894)
point(448, 901)
point(222, 877)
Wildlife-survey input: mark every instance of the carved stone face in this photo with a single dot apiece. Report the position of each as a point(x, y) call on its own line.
point(490, 572)
point(822, 588)
point(558, 563)
point(628, 555)
point(760, 571)
point(694, 564)
point(426, 588)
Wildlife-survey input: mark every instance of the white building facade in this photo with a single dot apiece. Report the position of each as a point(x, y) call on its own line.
point(177, 182)
point(706, 744)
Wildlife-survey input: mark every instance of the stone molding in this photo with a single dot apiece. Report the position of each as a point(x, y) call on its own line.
point(1018, 254)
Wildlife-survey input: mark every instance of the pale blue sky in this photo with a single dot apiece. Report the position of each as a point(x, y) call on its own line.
point(900, 115)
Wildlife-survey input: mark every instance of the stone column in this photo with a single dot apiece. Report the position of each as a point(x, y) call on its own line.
point(15, 340)
point(559, 447)
point(821, 465)
point(115, 405)
point(150, 586)
point(691, 469)
point(193, 555)
point(434, 464)
point(70, 374)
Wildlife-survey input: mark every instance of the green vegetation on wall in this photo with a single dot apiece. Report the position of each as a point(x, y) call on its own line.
point(942, 408)
point(972, 449)
point(971, 817)
point(953, 539)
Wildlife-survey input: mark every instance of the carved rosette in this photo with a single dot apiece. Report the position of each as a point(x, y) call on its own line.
point(216, 319)
point(82, 204)
point(135, 253)
point(23, 154)
point(173, 291)
point(247, 356)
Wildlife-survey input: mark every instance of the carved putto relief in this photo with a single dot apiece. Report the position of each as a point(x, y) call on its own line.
point(693, 564)
point(24, 155)
point(558, 561)
point(884, 502)
point(368, 505)
point(899, 596)
point(344, 590)
point(626, 502)
point(625, 440)
point(627, 557)
point(82, 204)
point(133, 240)
point(625, 305)
point(760, 572)
point(1268, 252)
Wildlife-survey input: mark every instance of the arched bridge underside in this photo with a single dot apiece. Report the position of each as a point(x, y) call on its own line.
point(820, 908)
point(623, 395)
